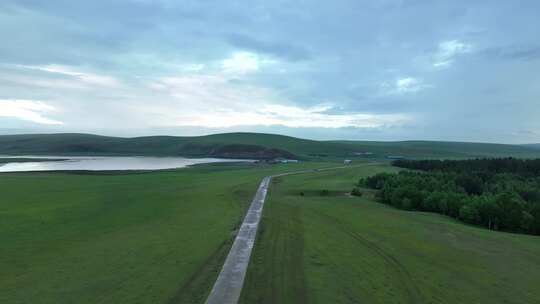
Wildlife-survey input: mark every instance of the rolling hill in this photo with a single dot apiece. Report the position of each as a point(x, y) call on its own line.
point(534, 146)
point(249, 145)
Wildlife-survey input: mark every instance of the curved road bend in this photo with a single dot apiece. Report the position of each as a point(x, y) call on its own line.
point(228, 285)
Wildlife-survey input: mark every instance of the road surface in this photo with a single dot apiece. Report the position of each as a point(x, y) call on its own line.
point(229, 283)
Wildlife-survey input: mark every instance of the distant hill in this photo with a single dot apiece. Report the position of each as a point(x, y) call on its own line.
point(249, 145)
point(88, 144)
point(534, 146)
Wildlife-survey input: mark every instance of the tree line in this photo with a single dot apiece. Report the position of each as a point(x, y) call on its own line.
point(522, 167)
point(499, 194)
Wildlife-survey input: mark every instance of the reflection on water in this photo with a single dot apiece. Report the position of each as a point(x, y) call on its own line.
point(101, 163)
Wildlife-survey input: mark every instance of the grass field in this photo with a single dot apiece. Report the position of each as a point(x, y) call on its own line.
point(342, 249)
point(161, 237)
point(114, 237)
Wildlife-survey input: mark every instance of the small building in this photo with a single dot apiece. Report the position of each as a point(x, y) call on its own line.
point(286, 161)
point(347, 162)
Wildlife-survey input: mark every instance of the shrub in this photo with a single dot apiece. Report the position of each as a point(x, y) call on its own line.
point(356, 192)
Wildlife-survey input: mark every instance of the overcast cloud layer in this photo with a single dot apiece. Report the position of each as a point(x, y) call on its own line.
point(375, 70)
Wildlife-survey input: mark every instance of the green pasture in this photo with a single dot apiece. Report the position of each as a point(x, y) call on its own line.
point(329, 247)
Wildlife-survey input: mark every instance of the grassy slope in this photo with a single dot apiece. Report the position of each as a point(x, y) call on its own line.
point(438, 149)
point(534, 146)
point(203, 145)
point(120, 238)
point(340, 249)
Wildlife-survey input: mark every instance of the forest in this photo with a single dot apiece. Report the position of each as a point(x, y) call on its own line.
point(498, 194)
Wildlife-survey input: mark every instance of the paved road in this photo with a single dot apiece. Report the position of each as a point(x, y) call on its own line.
point(229, 283)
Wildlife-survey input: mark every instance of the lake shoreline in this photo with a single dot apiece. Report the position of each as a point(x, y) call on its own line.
point(5, 160)
point(27, 163)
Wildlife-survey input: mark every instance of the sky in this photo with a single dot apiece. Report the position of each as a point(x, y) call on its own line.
point(452, 70)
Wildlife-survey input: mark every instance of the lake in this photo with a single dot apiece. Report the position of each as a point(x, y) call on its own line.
point(103, 163)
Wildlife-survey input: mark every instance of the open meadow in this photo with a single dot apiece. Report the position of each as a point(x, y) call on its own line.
point(329, 247)
point(162, 237)
point(146, 237)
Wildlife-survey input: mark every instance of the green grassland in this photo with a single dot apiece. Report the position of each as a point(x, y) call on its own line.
point(161, 237)
point(249, 145)
point(90, 237)
point(335, 248)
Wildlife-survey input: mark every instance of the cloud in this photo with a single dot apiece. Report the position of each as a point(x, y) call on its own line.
point(271, 115)
point(322, 117)
point(403, 85)
point(243, 63)
point(213, 101)
point(526, 53)
point(194, 67)
point(120, 65)
point(278, 49)
point(29, 110)
point(408, 85)
point(448, 50)
point(201, 92)
point(86, 78)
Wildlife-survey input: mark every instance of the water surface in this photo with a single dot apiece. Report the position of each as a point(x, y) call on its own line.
point(104, 163)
